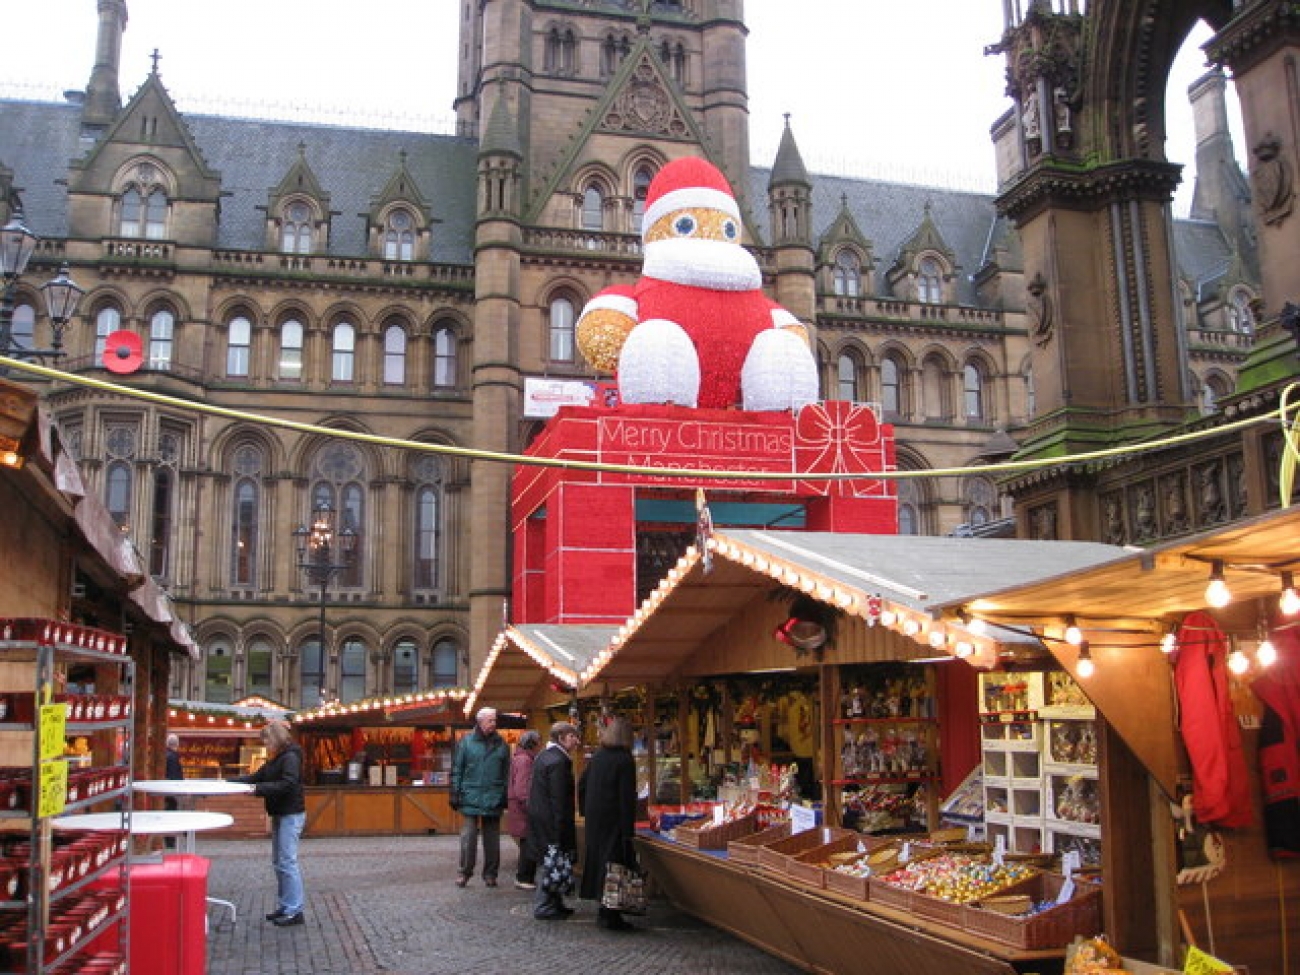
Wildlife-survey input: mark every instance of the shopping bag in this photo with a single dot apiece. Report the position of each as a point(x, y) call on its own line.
point(557, 871)
point(624, 890)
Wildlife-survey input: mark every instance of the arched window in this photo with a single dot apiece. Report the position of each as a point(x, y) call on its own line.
point(406, 667)
point(216, 671)
point(143, 207)
point(352, 669)
point(847, 378)
point(640, 190)
point(891, 386)
point(291, 349)
point(446, 664)
point(160, 339)
point(399, 236)
point(339, 473)
point(23, 329)
point(239, 345)
point(972, 385)
point(444, 358)
point(257, 664)
point(934, 389)
point(312, 660)
point(296, 228)
point(561, 51)
point(1031, 393)
point(427, 473)
point(160, 527)
point(673, 55)
point(245, 497)
point(343, 361)
point(929, 281)
point(107, 321)
point(980, 499)
point(1214, 389)
point(612, 52)
point(561, 329)
point(848, 273)
point(593, 208)
point(117, 493)
point(394, 354)
point(909, 507)
point(1240, 317)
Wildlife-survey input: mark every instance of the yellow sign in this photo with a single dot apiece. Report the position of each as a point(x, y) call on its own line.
point(53, 728)
point(54, 788)
point(1199, 963)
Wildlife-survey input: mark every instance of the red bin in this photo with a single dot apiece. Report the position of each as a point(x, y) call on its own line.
point(168, 916)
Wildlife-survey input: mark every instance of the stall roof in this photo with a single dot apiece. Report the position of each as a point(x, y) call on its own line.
point(441, 706)
point(1155, 584)
point(527, 657)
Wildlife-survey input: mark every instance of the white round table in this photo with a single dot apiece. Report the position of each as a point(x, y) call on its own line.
point(191, 787)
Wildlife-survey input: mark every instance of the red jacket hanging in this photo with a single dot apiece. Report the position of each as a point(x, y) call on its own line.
point(1220, 781)
point(1279, 746)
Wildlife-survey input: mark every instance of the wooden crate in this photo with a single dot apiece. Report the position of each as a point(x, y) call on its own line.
point(1053, 928)
point(745, 848)
point(711, 837)
point(777, 855)
point(810, 867)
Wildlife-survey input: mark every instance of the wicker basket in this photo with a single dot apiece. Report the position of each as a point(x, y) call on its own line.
point(937, 909)
point(776, 855)
point(810, 868)
point(1053, 928)
point(711, 837)
point(745, 848)
point(887, 895)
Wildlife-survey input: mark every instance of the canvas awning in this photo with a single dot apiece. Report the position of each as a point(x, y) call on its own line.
point(528, 658)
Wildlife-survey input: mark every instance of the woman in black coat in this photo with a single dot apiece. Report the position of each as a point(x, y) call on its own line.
point(551, 813)
point(608, 797)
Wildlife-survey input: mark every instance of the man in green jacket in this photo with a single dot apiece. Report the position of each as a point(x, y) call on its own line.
point(479, 774)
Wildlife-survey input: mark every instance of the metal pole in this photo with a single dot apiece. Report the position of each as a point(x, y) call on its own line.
point(324, 653)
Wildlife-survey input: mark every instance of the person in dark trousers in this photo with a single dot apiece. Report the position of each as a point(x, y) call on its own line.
point(172, 770)
point(608, 797)
point(279, 783)
point(521, 784)
point(479, 773)
point(552, 812)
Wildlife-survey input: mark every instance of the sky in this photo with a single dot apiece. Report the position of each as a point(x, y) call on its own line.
point(870, 90)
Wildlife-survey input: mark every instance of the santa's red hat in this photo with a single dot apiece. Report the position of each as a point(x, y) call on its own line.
point(687, 183)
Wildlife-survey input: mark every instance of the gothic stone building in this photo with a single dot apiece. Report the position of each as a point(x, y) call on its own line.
point(403, 286)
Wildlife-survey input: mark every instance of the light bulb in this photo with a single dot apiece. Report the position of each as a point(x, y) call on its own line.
point(1084, 666)
point(1289, 603)
point(1266, 653)
point(1217, 593)
point(1073, 635)
point(978, 627)
point(1168, 643)
point(937, 637)
point(963, 649)
point(1238, 662)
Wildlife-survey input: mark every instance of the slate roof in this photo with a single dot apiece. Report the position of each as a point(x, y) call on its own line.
point(37, 139)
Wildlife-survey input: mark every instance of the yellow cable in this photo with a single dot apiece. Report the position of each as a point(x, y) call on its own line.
point(1292, 450)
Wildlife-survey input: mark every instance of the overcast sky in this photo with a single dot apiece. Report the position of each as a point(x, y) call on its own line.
point(871, 89)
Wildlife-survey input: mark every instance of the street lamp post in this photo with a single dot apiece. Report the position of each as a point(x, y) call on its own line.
point(17, 244)
point(324, 551)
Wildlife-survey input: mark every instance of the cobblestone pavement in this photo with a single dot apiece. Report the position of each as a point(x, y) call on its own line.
point(388, 905)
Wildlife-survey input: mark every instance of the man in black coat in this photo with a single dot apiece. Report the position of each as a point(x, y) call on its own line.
point(552, 814)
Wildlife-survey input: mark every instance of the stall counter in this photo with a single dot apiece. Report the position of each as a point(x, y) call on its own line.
point(361, 810)
point(818, 930)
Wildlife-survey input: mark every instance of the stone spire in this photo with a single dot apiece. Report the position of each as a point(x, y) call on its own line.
point(103, 97)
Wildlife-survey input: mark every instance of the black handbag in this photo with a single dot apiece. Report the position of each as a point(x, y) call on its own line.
point(557, 871)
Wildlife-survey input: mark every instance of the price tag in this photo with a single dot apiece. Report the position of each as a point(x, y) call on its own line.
point(905, 854)
point(53, 729)
point(1000, 851)
point(718, 812)
point(54, 788)
point(1067, 891)
point(1199, 963)
point(802, 818)
point(1071, 862)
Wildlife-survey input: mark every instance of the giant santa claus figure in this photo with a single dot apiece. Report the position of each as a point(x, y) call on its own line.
point(696, 329)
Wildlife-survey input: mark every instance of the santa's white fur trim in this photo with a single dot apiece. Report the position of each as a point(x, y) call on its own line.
point(619, 303)
point(779, 373)
point(781, 318)
point(658, 364)
point(716, 264)
point(689, 198)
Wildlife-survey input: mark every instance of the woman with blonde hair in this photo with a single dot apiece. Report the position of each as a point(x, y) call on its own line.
point(279, 783)
point(607, 794)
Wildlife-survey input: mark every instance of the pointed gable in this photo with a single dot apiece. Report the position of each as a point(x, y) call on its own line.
point(298, 210)
point(399, 218)
point(843, 230)
point(926, 239)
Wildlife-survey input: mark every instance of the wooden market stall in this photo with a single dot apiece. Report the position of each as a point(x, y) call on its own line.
point(382, 765)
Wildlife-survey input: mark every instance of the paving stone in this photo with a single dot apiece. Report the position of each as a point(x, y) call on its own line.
point(388, 906)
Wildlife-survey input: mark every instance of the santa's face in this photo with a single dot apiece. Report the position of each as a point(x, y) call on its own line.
point(700, 247)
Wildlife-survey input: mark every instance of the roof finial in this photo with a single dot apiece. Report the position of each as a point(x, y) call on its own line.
point(786, 116)
point(155, 57)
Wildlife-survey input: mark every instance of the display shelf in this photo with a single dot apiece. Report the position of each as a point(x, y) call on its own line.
point(51, 672)
point(883, 779)
point(1011, 693)
point(901, 720)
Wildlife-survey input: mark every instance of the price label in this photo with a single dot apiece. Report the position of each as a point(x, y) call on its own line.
point(53, 729)
point(905, 854)
point(1000, 851)
point(802, 818)
point(54, 788)
point(1199, 963)
point(719, 812)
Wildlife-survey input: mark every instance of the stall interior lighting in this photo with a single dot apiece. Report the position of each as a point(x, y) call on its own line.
point(1289, 601)
point(1169, 642)
point(1266, 653)
point(1085, 666)
point(1238, 662)
point(1217, 593)
point(1073, 635)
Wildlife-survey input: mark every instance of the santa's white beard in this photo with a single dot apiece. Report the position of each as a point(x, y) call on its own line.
point(715, 264)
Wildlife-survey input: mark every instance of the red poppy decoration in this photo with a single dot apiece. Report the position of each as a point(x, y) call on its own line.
point(123, 352)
